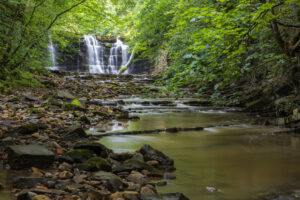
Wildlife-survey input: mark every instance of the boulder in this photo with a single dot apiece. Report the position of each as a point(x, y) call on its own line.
point(77, 156)
point(96, 147)
point(75, 133)
point(113, 182)
point(137, 178)
point(64, 94)
point(148, 190)
point(133, 164)
point(29, 128)
point(170, 196)
point(27, 182)
point(26, 156)
point(29, 96)
point(95, 164)
point(150, 153)
point(120, 156)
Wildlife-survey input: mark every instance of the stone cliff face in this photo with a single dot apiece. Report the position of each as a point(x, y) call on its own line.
point(74, 56)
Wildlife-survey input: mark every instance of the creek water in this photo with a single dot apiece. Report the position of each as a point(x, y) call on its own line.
point(4, 192)
point(240, 160)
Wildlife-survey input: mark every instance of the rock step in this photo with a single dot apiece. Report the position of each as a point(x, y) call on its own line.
point(164, 130)
point(26, 156)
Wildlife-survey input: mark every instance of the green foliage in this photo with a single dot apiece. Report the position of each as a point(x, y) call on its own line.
point(218, 43)
point(76, 102)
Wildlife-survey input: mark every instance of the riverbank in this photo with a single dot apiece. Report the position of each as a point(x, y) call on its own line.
point(61, 123)
point(44, 137)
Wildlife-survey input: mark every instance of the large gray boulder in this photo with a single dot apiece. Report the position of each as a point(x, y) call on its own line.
point(112, 181)
point(26, 156)
point(150, 153)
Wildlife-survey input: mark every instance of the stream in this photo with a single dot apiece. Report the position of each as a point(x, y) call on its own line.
point(230, 159)
point(240, 160)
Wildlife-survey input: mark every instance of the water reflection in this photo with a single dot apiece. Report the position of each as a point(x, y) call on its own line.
point(240, 160)
point(4, 192)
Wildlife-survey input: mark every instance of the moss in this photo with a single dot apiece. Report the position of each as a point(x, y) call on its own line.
point(76, 102)
point(29, 128)
point(85, 119)
point(97, 147)
point(95, 164)
point(134, 164)
point(77, 155)
point(33, 111)
point(72, 107)
point(99, 113)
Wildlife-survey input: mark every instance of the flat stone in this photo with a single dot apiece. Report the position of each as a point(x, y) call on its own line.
point(30, 97)
point(64, 94)
point(170, 196)
point(26, 156)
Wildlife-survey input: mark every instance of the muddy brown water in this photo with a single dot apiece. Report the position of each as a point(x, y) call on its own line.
point(241, 161)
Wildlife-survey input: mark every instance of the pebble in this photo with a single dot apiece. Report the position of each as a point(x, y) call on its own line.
point(148, 190)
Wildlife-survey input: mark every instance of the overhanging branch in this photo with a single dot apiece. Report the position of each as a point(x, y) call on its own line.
point(63, 12)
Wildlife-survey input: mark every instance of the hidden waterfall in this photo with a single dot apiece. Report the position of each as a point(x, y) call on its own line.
point(96, 57)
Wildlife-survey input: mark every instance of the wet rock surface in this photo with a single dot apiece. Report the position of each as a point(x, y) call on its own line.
point(171, 196)
point(26, 156)
point(43, 132)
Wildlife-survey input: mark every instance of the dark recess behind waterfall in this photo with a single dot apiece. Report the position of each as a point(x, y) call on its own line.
point(73, 57)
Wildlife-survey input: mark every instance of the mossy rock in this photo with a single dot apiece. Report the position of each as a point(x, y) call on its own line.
point(96, 147)
point(95, 164)
point(77, 156)
point(35, 111)
point(84, 119)
point(54, 102)
point(103, 114)
point(29, 128)
point(134, 164)
point(72, 107)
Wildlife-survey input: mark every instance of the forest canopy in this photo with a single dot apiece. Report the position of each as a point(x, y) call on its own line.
point(199, 43)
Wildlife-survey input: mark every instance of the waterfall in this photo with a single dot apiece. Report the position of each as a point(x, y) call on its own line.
point(114, 64)
point(95, 53)
point(52, 52)
point(118, 56)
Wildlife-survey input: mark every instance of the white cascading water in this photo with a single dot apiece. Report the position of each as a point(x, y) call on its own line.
point(52, 52)
point(95, 55)
point(114, 64)
point(96, 59)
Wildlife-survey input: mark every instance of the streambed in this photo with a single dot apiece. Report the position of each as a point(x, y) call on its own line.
point(240, 160)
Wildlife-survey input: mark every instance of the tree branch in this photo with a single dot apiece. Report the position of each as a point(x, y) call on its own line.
point(63, 12)
point(287, 25)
